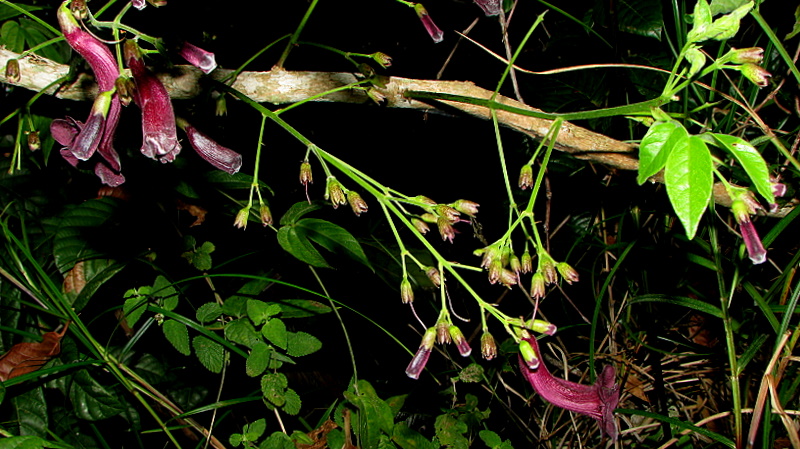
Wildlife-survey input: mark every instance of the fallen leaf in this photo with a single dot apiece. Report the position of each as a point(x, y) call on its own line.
point(24, 358)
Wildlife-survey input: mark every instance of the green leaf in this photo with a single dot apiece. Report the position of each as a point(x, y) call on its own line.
point(301, 308)
point(408, 438)
point(491, 439)
point(273, 387)
point(333, 237)
point(7, 12)
point(90, 400)
point(259, 311)
point(235, 439)
point(725, 6)
point(30, 412)
point(96, 272)
point(472, 373)
point(258, 359)
point(135, 305)
point(200, 257)
point(796, 26)
point(11, 36)
point(374, 416)
point(163, 289)
point(254, 431)
point(450, 432)
point(24, 442)
point(242, 331)
point(396, 403)
point(177, 334)
point(689, 180)
point(293, 402)
point(751, 160)
point(298, 210)
point(278, 440)
point(72, 240)
point(275, 332)
point(210, 353)
point(301, 343)
point(656, 147)
point(726, 26)
point(642, 17)
point(300, 247)
point(208, 312)
point(682, 301)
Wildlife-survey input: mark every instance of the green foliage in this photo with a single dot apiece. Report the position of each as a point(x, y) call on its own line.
point(198, 256)
point(210, 353)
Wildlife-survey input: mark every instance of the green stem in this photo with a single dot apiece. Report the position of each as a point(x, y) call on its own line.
point(296, 35)
point(777, 42)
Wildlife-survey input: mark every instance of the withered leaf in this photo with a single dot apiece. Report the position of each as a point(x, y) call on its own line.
point(24, 358)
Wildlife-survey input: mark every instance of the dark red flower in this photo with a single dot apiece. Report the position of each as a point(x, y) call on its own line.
point(215, 154)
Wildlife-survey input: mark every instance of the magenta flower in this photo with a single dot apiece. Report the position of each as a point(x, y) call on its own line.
point(215, 154)
point(436, 34)
point(65, 132)
point(420, 359)
point(490, 7)
point(138, 4)
point(742, 207)
point(159, 137)
point(196, 56)
point(95, 135)
point(598, 400)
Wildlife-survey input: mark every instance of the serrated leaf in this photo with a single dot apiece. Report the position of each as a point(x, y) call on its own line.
point(725, 6)
point(298, 210)
point(333, 237)
point(256, 429)
point(408, 438)
point(450, 432)
point(242, 331)
point(293, 402)
point(177, 334)
point(273, 387)
point(278, 440)
point(235, 439)
point(472, 373)
point(210, 353)
point(258, 359)
point(656, 147)
point(688, 176)
point(751, 160)
point(72, 242)
point(491, 439)
point(300, 247)
point(642, 17)
point(275, 331)
point(208, 312)
point(134, 307)
point(259, 311)
point(163, 289)
point(200, 257)
point(301, 343)
point(90, 400)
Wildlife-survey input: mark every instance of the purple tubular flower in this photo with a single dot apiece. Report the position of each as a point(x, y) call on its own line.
point(215, 154)
point(436, 34)
point(98, 138)
point(65, 132)
point(755, 249)
point(420, 359)
point(196, 56)
point(138, 4)
point(489, 7)
point(159, 137)
point(598, 400)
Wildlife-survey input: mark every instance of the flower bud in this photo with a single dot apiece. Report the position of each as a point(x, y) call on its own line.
point(34, 142)
point(425, 200)
point(753, 55)
point(567, 272)
point(495, 270)
point(443, 332)
point(241, 218)
point(429, 218)
point(446, 230)
point(526, 264)
point(528, 354)
point(756, 74)
point(490, 7)
point(382, 59)
point(125, 89)
point(541, 326)
point(420, 359)
point(508, 277)
point(537, 286)
point(488, 346)
point(266, 215)
point(420, 226)
point(356, 202)
point(221, 106)
point(458, 338)
point(448, 213)
point(548, 270)
point(466, 207)
point(433, 31)
point(514, 264)
point(335, 193)
point(306, 176)
point(12, 71)
point(526, 177)
point(375, 95)
point(434, 276)
point(196, 56)
point(406, 291)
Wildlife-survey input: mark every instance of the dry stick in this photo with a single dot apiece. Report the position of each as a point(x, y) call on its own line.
point(758, 409)
point(279, 86)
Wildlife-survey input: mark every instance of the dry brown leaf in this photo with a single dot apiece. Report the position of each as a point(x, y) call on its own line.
point(196, 211)
point(24, 358)
point(75, 279)
point(319, 436)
